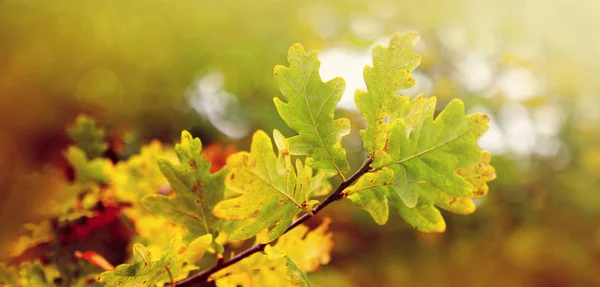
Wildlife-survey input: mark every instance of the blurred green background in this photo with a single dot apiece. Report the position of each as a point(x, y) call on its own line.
point(153, 68)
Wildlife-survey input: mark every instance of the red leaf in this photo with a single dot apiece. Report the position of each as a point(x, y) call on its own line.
point(217, 155)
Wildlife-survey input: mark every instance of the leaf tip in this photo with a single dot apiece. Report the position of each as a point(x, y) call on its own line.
point(297, 50)
point(185, 135)
point(411, 37)
point(281, 142)
point(338, 83)
point(278, 70)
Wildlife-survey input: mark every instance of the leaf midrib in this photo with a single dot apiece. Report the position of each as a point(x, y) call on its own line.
point(416, 155)
point(274, 187)
point(203, 216)
point(381, 89)
point(317, 132)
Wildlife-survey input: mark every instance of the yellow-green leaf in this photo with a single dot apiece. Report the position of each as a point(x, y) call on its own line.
point(310, 249)
point(271, 193)
point(87, 136)
point(479, 175)
point(88, 171)
point(28, 274)
point(285, 264)
point(435, 162)
point(424, 216)
point(140, 174)
point(196, 189)
point(171, 266)
point(369, 193)
point(309, 110)
point(293, 273)
point(391, 71)
point(429, 153)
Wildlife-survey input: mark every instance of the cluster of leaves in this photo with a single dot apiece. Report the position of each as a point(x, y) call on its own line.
point(152, 192)
point(416, 161)
point(419, 161)
point(200, 205)
point(73, 214)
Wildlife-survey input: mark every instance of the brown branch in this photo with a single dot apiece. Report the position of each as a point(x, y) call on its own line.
point(203, 276)
point(171, 277)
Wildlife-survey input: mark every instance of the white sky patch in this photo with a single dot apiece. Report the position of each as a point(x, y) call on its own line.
point(424, 85)
point(548, 146)
point(208, 98)
point(548, 119)
point(474, 72)
point(349, 64)
point(523, 132)
point(518, 84)
point(519, 130)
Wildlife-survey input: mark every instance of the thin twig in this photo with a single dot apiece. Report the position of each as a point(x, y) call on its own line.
point(203, 276)
point(173, 284)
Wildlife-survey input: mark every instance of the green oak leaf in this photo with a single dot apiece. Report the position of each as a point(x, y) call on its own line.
point(309, 110)
point(428, 153)
point(88, 171)
point(146, 270)
point(88, 137)
point(413, 111)
point(479, 175)
point(31, 273)
point(140, 175)
point(293, 273)
point(320, 183)
point(426, 217)
point(391, 71)
point(196, 190)
point(271, 193)
point(434, 163)
point(369, 193)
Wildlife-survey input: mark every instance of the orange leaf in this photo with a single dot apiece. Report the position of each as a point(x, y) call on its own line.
point(96, 259)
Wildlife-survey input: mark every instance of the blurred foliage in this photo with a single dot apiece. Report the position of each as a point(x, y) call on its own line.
point(152, 271)
point(88, 137)
point(149, 70)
